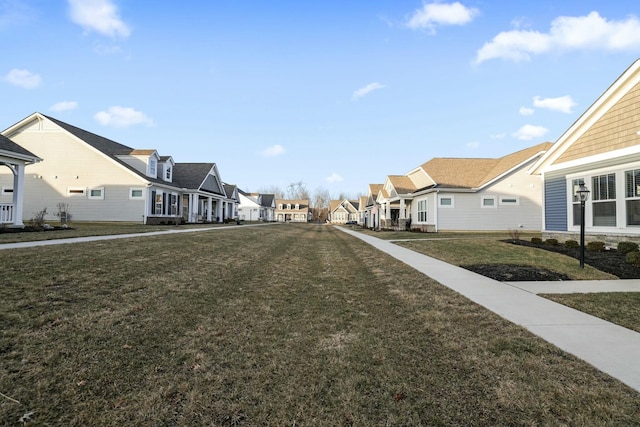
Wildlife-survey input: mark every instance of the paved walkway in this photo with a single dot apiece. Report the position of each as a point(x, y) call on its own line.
point(610, 348)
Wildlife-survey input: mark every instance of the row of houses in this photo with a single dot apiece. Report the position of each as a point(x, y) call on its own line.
point(532, 189)
point(63, 171)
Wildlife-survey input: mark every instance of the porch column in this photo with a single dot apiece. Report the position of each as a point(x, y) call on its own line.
point(18, 194)
point(193, 208)
point(219, 206)
point(402, 210)
point(209, 208)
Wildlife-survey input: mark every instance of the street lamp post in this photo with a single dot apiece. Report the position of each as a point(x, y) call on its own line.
point(583, 195)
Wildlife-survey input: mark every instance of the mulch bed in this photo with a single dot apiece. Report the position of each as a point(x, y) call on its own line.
point(610, 261)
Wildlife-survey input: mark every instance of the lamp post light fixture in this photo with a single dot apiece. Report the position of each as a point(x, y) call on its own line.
point(583, 195)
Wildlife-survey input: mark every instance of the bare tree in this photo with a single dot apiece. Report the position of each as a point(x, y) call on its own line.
point(272, 189)
point(297, 191)
point(320, 204)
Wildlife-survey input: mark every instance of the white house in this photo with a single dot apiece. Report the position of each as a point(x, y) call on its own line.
point(249, 207)
point(461, 194)
point(102, 180)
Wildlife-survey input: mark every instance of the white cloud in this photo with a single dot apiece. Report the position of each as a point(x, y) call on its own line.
point(122, 117)
point(473, 145)
point(366, 90)
point(100, 16)
point(434, 14)
point(525, 111)
point(64, 106)
point(529, 132)
point(563, 104)
point(498, 135)
point(566, 33)
point(334, 177)
point(23, 78)
point(274, 150)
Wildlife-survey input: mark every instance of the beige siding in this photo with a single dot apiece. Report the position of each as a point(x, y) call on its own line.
point(420, 179)
point(615, 130)
point(67, 163)
point(468, 213)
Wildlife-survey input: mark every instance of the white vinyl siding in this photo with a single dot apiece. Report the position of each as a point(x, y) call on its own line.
point(80, 167)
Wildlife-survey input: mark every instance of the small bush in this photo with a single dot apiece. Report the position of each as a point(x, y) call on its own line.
point(38, 218)
point(626, 247)
point(551, 242)
point(536, 240)
point(571, 244)
point(633, 257)
point(595, 246)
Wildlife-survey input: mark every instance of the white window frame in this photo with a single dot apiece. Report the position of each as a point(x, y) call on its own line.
point(76, 191)
point(452, 205)
point(153, 167)
point(132, 197)
point(494, 205)
point(503, 201)
point(92, 197)
point(423, 211)
point(7, 191)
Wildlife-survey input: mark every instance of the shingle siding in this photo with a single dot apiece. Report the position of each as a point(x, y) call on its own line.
point(555, 199)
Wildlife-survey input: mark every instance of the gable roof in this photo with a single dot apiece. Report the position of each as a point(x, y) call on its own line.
point(402, 184)
point(476, 173)
point(268, 200)
point(229, 189)
point(107, 147)
point(14, 150)
point(196, 176)
point(607, 129)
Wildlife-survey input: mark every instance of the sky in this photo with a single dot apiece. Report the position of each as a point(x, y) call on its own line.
point(334, 94)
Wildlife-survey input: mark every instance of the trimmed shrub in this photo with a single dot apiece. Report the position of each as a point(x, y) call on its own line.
point(596, 246)
point(551, 242)
point(571, 244)
point(633, 257)
point(626, 247)
point(536, 240)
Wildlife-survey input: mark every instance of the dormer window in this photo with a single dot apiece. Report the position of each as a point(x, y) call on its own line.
point(153, 167)
point(289, 206)
point(167, 173)
point(297, 206)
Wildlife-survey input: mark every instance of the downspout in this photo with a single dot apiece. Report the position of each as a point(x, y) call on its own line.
point(435, 215)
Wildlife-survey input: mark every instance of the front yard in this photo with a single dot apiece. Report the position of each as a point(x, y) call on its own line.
point(281, 325)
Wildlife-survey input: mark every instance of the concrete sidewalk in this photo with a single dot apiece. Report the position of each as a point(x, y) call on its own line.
point(610, 348)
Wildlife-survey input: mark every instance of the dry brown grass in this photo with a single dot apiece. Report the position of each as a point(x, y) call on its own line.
point(276, 325)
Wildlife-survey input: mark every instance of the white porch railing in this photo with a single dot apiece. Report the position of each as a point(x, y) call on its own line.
point(6, 213)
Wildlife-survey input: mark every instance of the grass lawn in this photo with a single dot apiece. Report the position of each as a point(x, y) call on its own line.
point(621, 308)
point(481, 249)
point(83, 229)
point(280, 325)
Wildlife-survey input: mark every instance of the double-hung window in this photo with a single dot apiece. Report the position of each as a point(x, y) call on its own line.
point(422, 210)
point(632, 196)
point(603, 190)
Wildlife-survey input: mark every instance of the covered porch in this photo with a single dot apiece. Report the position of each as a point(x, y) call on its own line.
point(16, 159)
